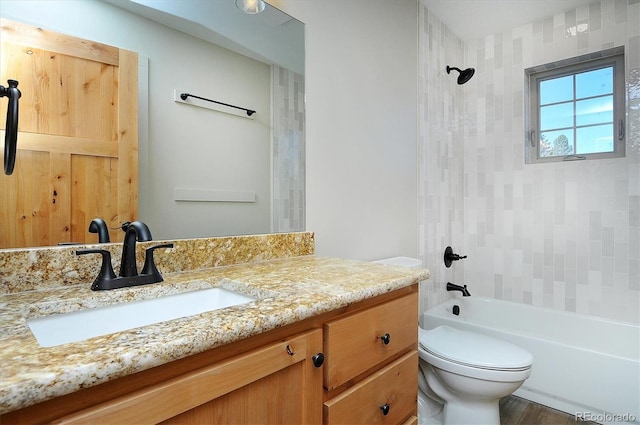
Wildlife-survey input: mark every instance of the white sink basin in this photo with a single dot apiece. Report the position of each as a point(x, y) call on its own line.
point(84, 324)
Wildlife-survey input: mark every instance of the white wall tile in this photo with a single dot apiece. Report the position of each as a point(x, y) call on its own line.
point(561, 231)
point(288, 149)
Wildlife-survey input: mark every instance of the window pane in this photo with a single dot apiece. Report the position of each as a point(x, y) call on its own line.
point(556, 90)
point(556, 116)
point(598, 110)
point(594, 83)
point(594, 139)
point(556, 143)
point(574, 107)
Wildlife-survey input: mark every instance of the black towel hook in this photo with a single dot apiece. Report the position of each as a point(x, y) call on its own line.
point(11, 129)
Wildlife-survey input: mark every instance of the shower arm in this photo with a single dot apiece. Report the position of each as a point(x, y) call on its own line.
point(11, 128)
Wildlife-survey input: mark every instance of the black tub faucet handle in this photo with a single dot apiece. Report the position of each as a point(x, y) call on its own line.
point(450, 257)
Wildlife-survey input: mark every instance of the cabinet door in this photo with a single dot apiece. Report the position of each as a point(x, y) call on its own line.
point(275, 384)
point(77, 155)
point(274, 399)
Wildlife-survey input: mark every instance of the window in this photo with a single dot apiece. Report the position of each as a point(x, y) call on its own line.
point(577, 108)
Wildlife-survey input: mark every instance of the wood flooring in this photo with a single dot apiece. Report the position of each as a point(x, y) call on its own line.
point(518, 411)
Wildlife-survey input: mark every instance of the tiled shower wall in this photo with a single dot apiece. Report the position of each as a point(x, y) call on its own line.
point(563, 235)
point(440, 155)
point(288, 168)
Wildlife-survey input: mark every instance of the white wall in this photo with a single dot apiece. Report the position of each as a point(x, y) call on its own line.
point(564, 235)
point(361, 91)
point(188, 147)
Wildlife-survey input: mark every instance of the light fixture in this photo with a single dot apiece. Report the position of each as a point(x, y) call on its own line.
point(250, 6)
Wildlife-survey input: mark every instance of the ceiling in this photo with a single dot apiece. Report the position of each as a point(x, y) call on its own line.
point(472, 19)
point(271, 36)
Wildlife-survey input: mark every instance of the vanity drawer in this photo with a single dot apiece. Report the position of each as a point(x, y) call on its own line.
point(394, 386)
point(356, 343)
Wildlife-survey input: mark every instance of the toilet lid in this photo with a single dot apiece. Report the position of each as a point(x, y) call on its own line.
point(473, 349)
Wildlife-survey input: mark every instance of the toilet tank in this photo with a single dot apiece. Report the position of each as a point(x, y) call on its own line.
point(413, 263)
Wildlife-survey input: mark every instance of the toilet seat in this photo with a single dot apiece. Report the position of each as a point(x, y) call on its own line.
point(474, 355)
point(473, 349)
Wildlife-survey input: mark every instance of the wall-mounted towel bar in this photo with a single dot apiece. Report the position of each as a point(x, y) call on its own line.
point(184, 96)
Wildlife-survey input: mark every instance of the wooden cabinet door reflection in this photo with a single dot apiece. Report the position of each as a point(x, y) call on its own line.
point(77, 137)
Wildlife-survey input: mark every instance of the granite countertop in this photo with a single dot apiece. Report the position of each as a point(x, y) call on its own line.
point(287, 290)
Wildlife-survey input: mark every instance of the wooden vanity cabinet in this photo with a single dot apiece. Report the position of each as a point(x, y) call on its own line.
point(271, 377)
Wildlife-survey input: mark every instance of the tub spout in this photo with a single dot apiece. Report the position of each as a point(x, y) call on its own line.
point(454, 287)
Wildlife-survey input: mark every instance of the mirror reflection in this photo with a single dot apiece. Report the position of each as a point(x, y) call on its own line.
point(200, 171)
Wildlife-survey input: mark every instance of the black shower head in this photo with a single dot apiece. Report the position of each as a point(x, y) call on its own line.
point(464, 75)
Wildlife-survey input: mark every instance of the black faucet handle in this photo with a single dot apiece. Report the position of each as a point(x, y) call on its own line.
point(106, 274)
point(450, 257)
point(149, 267)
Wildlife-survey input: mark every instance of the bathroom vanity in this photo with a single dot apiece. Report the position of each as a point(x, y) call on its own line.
point(326, 341)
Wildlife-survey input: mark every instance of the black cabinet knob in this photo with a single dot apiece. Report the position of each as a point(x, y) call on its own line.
point(318, 359)
point(385, 409)
point(386, 339)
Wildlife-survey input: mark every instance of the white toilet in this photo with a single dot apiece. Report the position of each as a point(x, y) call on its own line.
point(464, 375)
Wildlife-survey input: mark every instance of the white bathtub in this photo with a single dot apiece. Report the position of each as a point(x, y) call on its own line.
point(583, 365)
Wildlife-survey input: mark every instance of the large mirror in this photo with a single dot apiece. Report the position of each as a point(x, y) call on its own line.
point(203, 171)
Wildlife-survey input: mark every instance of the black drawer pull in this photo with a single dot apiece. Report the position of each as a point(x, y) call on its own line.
point(386, 339)
point(385, 409)
point(318, 359)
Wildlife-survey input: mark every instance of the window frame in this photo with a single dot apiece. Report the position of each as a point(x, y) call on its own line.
point(533, 77)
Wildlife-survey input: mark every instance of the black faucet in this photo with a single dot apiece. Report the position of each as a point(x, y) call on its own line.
point(106, 279)
point(454, 287)
point(136, 231)
point(99, 226)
